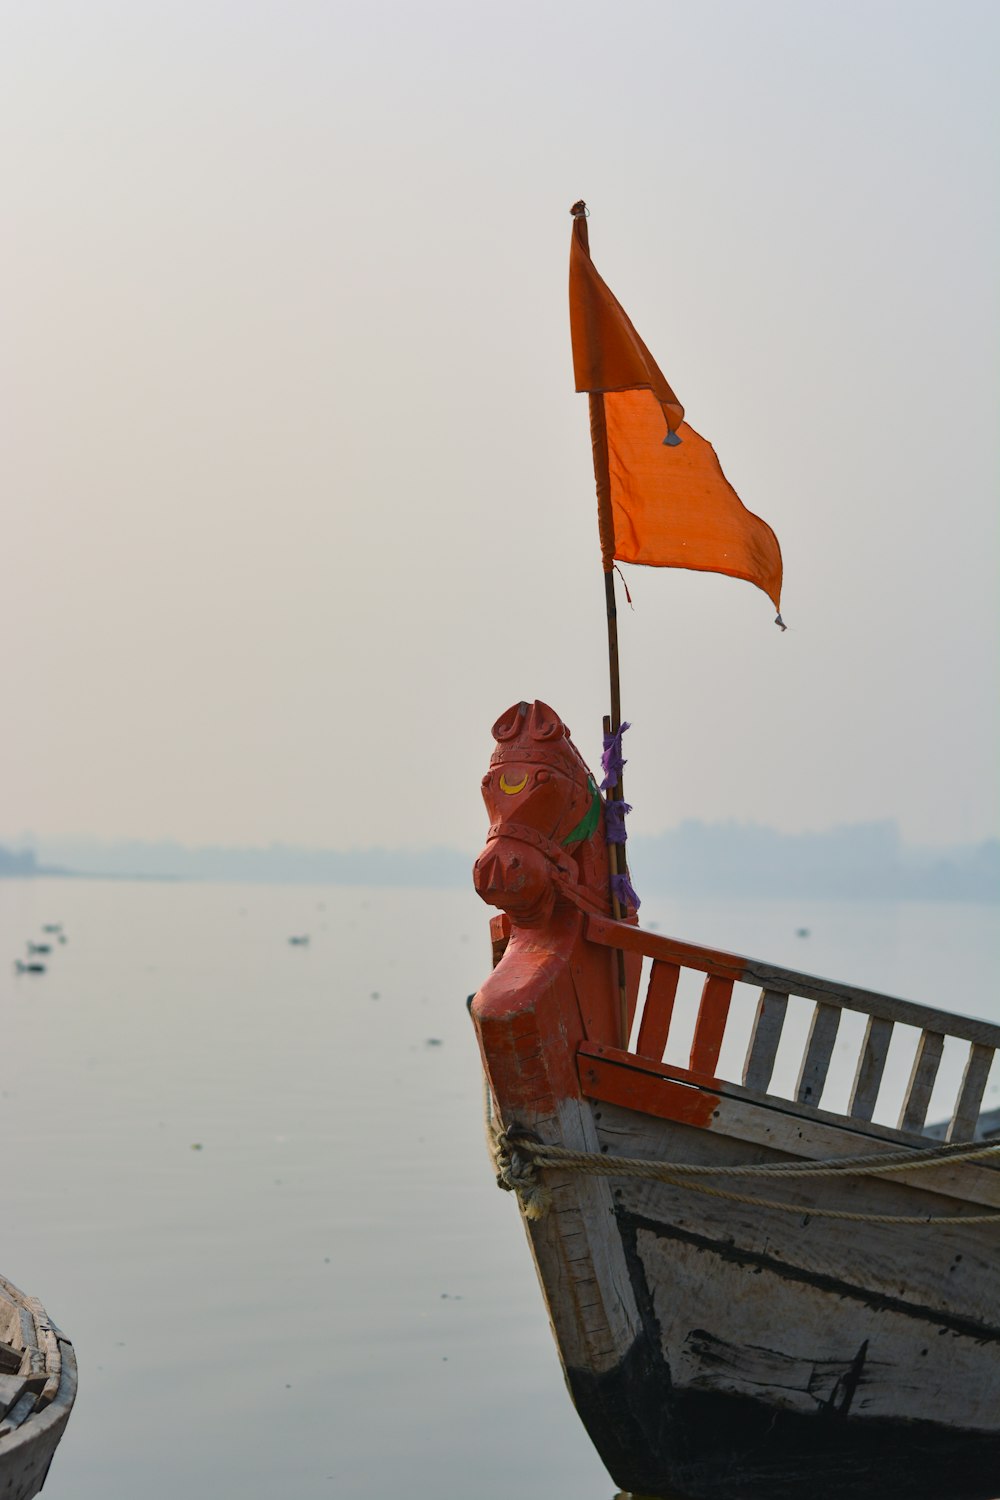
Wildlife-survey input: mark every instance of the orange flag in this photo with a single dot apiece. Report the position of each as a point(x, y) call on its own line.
point(663, 499)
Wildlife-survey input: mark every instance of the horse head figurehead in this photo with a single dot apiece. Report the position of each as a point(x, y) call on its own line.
point(546, 833)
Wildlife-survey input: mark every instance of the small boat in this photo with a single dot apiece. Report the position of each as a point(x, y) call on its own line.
point(37, 1390)
point(755, 1295)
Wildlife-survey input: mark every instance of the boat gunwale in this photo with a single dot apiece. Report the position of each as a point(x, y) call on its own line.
point(959, 1180)
point(55, 1413)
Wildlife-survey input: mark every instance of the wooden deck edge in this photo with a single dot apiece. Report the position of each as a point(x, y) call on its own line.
point(616, 1077)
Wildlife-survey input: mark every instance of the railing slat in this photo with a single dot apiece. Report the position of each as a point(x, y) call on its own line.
point(922, 1075)
point(819, 1050)
point(764, 1039)
point(654, 1028)
point(710, 1028)
point(970, 1095)
point(871, 1066)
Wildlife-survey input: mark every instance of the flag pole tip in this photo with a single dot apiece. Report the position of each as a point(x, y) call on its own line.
point(580, 210)
point(671, 440)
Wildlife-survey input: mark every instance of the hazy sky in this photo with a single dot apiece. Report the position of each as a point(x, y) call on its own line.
point(297, 490)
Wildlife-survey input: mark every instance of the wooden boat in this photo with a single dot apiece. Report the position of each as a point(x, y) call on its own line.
point(37, 1391)
point(728, 1327)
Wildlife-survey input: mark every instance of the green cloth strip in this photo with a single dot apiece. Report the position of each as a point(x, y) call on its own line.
point(588, 823)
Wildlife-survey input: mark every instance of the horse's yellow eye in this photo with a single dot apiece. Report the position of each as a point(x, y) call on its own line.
point(511, 787)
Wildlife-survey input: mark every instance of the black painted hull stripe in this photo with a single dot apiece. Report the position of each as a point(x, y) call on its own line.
point(879, 1302)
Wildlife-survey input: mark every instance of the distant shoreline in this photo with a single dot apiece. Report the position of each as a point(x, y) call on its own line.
point(860, 861)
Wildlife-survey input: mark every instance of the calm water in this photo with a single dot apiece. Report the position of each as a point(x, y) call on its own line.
point(249, 1180)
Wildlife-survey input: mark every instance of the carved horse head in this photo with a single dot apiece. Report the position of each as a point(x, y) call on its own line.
point(546, 836)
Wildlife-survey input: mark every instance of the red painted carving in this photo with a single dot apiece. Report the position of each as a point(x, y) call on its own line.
point(550, 988)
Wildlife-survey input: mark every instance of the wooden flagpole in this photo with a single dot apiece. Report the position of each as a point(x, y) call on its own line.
point(613, 721)
point(599, 443)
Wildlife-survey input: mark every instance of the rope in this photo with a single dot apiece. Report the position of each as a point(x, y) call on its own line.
point(518, 1161)
point(907, 1160)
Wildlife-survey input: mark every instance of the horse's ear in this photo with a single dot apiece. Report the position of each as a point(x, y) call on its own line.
point(544, 723)
point(509, 723)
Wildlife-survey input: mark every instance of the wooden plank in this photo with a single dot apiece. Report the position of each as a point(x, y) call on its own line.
point(33, 1365)
point(819, 1050)
point(23, 1333)
point(764, 1039)
point(53, 1367)
point(871, 1066)
point(654, 1089)
point(577, 1252)
point(9, 1292)
point(970, 1095)
point(710, 1028)
point(11, 1390)
point(19, 1412)
point(913, 1114)
point(789, 981)
point(689, 955)
point(654, 1095)
point(654, 1028)
point(650, 1076)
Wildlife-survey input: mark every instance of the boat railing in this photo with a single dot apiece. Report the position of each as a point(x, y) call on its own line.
point(976, 1041)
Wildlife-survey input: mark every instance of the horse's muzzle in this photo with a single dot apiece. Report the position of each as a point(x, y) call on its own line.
point(516, 878)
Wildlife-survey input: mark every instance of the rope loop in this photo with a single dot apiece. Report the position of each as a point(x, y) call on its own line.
point(517, 1173)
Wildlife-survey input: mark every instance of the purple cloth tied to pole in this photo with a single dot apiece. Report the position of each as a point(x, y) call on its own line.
point(611, 761)
point(614, 821)
point(621, 887)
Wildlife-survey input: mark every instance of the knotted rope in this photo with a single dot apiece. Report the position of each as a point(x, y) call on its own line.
point(516, 1172)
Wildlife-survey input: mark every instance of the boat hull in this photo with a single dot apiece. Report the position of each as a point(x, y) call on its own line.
point(38, 1382)
point(741, 1350)
point(775, 1356)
